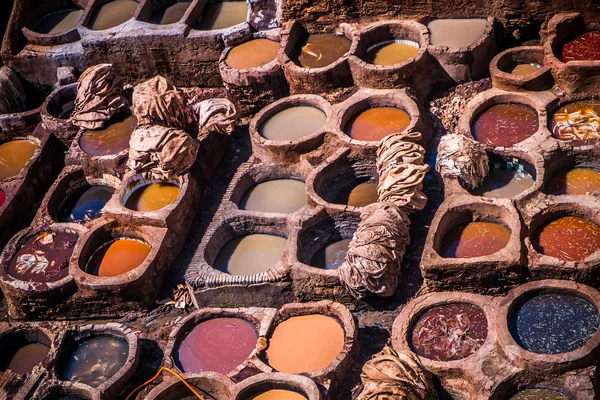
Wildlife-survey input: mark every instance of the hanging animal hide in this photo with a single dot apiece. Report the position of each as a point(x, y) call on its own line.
point(398, 376)
point(12, 94)
point(463, 158)
point(99, 97)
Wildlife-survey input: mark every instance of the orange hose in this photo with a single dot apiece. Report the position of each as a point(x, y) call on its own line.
point(161, 369)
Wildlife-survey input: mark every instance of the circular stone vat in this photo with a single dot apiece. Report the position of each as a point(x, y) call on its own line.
point(252, 54)
point(117, 257)
point(14, 155)
point(152, 196)
point(580, 180)
point(169, 12)
point(305, 343)
point(110, 140)
point(278, 386)
point(275, 196)
point(373, 124)
point(585, 47)
point(553, 322)
point(539, 394)
point(569, 238)
point(111, 14)
point(449, 332)
point(95, 359)
point(222, 15)
point(474, 239)
point(361, 195)
point(250, 254)
point(522, 62)
point(505, 124)
point(508, 178)
point(577, 122)
point(456, 33)
point(23, 350)
point(215, 345)
point(44, 256)
point(61, 103)
point(211, 386)
point(293, 123)
point(85, 203)
point(58, 21)
point(57, 390)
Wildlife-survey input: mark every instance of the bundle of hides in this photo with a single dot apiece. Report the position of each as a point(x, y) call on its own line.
point(376, 251)
point(99, 97)
point(463, 158)
point(582, 125)
point(398, 376)
point(12, 93)
point(402, 171)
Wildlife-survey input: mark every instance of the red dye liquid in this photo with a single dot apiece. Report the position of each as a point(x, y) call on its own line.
point(505, 124)
point(585, 48)
point(449, 332)
point(475, 239)
point(568, 238)
point(2, 198)
point(217, 345)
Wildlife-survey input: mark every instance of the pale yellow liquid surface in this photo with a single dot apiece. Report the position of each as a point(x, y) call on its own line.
point(293, 123)
point(113, 14)
point(277, 196)
point(58, 22)
point(250, 254)
point(456, 32)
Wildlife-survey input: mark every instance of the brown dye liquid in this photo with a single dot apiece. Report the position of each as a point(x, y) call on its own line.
point(113, 14)
point(577, 122)
point(277, 196)
point(252, 54)
point(374, 124)
point(505, 124)
point(320, 50)
point(539, 394)
point(153, 196)
point(95, 360)
point(568, 238)
point(44, 258)
point(250, 254)
point(58, 22)
point(223, 15)
point(110, 140)
point(279, 394)
point(14, 155)
point(305, 343)
point(449, 332)
point(579, 180)
point(360, 195)
point(170, 14)
point(391, 53)
point(217, 345)
point(585, 48)
point(118, 257)
point(504, 184)
point(293, 123)
point(474, 239)
point(456, 33)
point(525, 69)
point(27, 357)
point(332, 255)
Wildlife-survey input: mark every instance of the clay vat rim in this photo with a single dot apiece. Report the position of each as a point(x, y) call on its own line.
point(76, 146)
point(158, 390)
point(239, 27)
point(55, 39)
point(44, 108)
point(124, 193)
point(90, 12)
point(185, 326)
point(158, 26)
point(265, 69)
point(106, 227)
point(553, 45)
point(588, 164)
point(15, 245)
point(553, 106)
point(489, 27)
point(567, 207)
point(279, 380)
point(40, 143)
point(518, 295)
point(40, 336)
point(68, 388)
point(328, 308)
point(523, 79)
point(81, 333)
point(512, 386)
point(310, 100)
point(419, 29)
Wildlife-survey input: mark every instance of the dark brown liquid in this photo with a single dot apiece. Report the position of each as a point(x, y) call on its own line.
point(585, 48)
point(568, 238)
point(475, 239)
point(217, 345)
point(44, 258)
point(221, 15)
point(505, 124)
point(118, 257)
point(110, 140)
point(252, 54)
point(578, 122)
point(449, 332)
point(575, 181)
point(375, 123)
point(320, 50)
point(331, 256)
point(27, 357)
